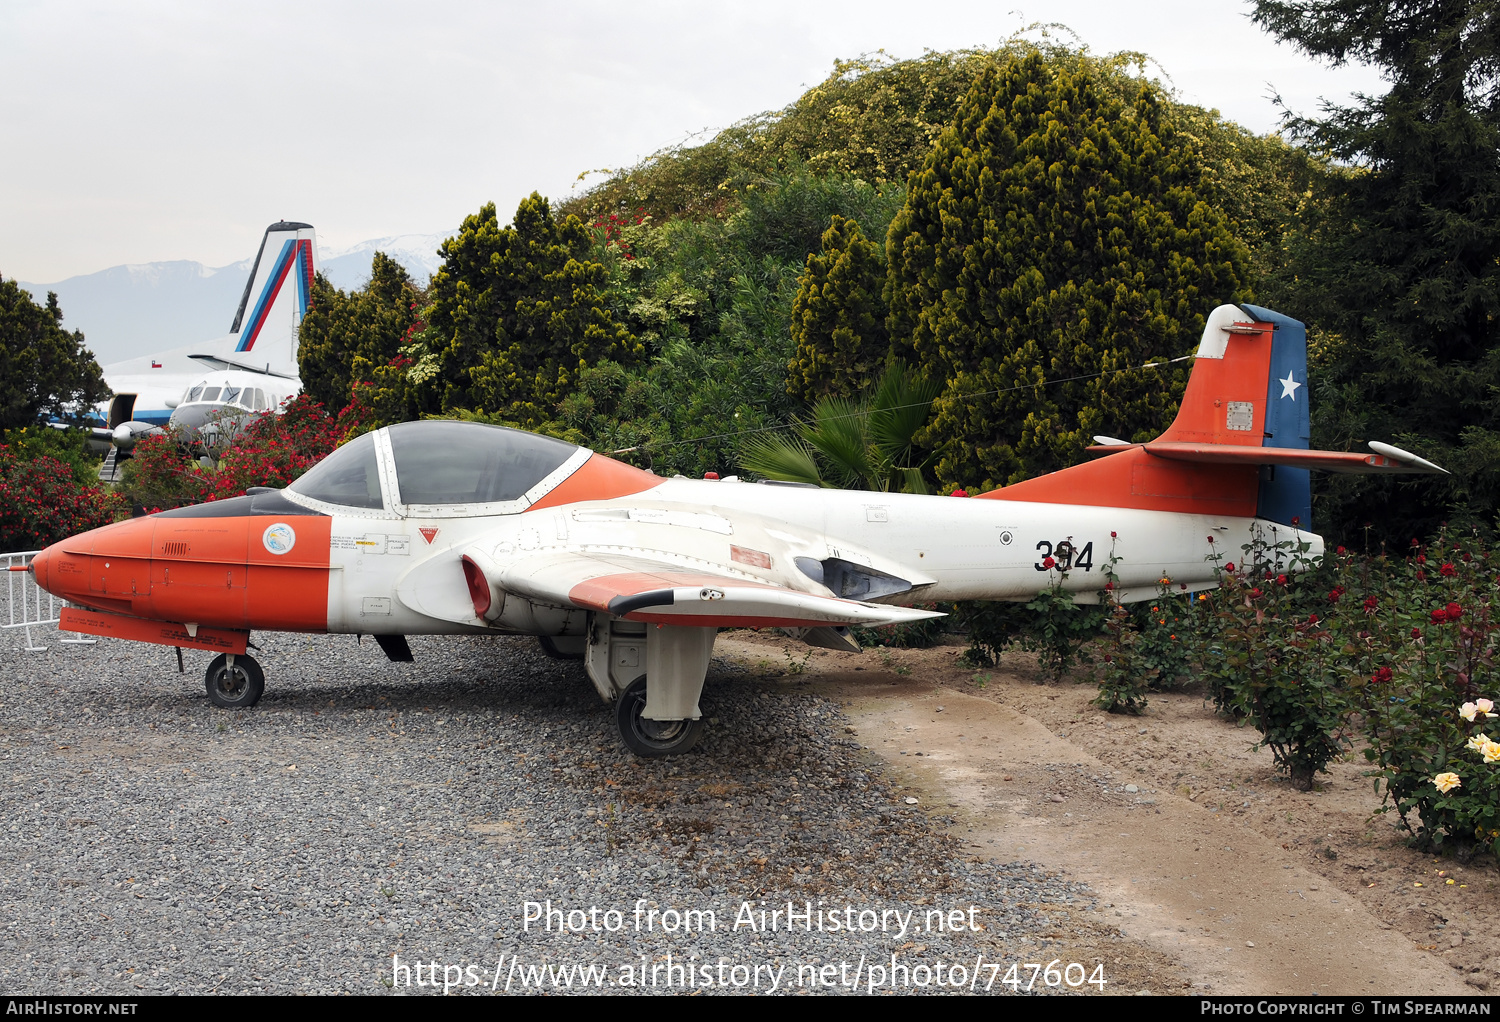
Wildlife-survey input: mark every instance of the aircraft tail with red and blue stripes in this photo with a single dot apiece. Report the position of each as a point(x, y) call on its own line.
point(275, 300)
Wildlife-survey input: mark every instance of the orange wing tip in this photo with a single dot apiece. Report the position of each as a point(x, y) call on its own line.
point(163, 633)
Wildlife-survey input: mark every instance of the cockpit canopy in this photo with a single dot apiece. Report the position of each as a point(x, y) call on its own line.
point(437, 464)
point(250, 398)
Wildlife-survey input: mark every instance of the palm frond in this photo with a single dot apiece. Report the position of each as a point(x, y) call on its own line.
point(780, 456)
point(899, 408)
point(838, 434)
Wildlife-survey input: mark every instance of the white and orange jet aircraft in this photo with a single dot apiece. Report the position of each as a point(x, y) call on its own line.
point(440, 527)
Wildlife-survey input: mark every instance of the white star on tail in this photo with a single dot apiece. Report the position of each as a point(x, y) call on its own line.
point(1289, 386)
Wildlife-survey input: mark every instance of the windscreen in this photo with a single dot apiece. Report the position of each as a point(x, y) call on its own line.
point(443, 462)
point(348, 476)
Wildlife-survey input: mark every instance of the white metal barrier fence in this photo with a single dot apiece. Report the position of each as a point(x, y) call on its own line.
point(27, 605)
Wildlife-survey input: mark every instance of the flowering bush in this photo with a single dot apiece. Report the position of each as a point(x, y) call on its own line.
point(276, 449)
point(42, 501)
point(1417, 663)
point(1124, 676)
point(1274, 663)
point(271, 451)
point(160, 475)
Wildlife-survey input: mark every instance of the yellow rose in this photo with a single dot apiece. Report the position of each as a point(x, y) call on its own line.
point(1447, 782)
point(1491, 752)
point(1477, 743)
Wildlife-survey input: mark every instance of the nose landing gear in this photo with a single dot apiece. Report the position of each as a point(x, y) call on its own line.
point(234, 681)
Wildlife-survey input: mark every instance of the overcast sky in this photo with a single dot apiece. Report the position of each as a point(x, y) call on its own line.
point(162, 130)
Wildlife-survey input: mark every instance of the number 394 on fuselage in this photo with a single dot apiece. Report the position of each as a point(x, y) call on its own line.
point(440, 527)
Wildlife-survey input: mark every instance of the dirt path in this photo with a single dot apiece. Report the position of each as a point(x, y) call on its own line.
point(1200, 853)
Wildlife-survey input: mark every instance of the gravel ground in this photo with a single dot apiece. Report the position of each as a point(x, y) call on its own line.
point(365, 810)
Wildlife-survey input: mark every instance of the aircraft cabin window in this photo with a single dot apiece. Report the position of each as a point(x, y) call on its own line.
point(469, 462)
point(196, 393)
point(211, 394)
point(260, 401)
point(348, 476)
point(231, 395)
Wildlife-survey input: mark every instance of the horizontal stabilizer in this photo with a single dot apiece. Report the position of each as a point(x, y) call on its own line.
point(218, 363)
point(1385, 460)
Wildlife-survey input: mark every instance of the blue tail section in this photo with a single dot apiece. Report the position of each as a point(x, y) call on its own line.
point(1286, 492)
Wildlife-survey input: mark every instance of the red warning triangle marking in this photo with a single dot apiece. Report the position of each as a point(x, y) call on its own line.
point(428, 534)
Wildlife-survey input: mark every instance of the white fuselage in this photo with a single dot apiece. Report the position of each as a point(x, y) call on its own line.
point(394, 573)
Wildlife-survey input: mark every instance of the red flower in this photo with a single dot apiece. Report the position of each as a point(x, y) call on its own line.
point(1448, 571)
point(1210, 539)
point(1048, 562)
point(1312, 619)
point(1440, 616)
point(1370, 604)
point(1256, 594)
point(1230, 567)
point(1454, 612)
point(1114, 535)
point(1340, 550)
point(1109, 587)
point(960, 492)
point(1281, 580)
point(1421, 558)
point(1382, 676)
point(1335, 593)
point(1416, 633)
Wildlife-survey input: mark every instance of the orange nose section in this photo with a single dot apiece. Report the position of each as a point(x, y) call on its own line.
point(99, 568)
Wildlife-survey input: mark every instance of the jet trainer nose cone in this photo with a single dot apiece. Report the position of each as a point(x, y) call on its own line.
point(41, 566)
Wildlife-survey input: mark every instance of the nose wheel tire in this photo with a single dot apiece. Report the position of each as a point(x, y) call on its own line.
point(236, 687)
point(651, 739)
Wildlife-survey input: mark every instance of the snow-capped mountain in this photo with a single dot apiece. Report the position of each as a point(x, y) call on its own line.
point(349, 268)
point(144, 308)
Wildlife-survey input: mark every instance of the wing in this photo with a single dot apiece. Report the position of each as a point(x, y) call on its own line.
point(661, 592)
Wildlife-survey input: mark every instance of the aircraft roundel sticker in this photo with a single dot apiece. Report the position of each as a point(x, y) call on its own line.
point(279, 538)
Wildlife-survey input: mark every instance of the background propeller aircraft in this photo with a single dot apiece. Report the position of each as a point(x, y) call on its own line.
point(455, 527)
point(247, 373)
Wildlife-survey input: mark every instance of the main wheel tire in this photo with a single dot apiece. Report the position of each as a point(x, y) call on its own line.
point(651, 739)
point(552, 649)
point(234, 688)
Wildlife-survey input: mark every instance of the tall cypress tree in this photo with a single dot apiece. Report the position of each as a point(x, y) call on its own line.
point(838, 316)
point(1053, 240)
point(371, 323)
point(515, 314)
point(1401, 261)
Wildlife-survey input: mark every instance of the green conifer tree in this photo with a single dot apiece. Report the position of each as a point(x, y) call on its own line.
point(515, 314)
point(838, 317)
point(1054, 240)
point(371, 324)
point(45, 371)
point(1399, 264)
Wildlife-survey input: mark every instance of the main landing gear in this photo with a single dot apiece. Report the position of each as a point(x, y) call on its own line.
point(234, 681)
point(652, 738)
point(654, 675)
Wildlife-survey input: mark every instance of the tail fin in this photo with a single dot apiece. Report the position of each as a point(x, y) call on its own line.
point(276, 298)
point(1239, 444)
